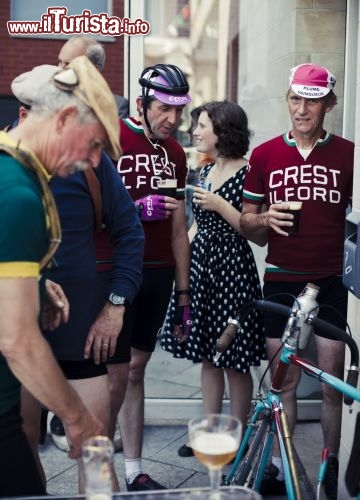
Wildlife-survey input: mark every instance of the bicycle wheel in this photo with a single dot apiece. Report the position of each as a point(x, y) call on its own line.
point(306, 486)
point(249, 466)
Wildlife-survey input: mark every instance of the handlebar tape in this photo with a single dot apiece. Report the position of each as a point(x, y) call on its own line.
point(224, 341)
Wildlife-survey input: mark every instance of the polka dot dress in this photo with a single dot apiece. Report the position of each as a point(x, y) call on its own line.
point(223, 276)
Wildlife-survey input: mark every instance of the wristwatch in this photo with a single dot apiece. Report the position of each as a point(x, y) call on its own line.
point(117, 300)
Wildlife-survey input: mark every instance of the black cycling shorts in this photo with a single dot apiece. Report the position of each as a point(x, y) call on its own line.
point(150, 306)
point(77, 370)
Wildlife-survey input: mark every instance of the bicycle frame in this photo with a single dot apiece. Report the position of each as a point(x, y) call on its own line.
point(288, 357)
point(271, 410)
point(277, 423)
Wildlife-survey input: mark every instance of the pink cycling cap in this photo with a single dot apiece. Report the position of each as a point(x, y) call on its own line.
point(311, 81)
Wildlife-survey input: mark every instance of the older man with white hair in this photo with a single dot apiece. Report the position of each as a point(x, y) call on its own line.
point(87, 202)
point(74, 118)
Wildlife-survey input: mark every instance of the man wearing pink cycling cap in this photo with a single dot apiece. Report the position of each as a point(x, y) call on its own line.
point(312, 166)
point(150, 155)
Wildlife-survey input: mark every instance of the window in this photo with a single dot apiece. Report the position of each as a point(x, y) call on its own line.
point(23, 10)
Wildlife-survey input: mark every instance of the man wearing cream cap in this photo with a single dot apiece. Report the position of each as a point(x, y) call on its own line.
point(73, 118)
point(87, 202)
point(312, 166)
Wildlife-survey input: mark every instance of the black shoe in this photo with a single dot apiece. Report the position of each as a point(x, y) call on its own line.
point(143, 482)
point(270, 485)
point(58, 434)
point(331, 478)
point(185, 451)
point(56, 426)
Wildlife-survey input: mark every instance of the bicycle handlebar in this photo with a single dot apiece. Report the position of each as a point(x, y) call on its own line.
point(323, 329)
point(233, 326)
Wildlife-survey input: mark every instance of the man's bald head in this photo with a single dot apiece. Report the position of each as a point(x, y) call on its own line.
point(82, 45)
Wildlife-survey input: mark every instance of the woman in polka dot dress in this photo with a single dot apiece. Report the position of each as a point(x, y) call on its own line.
point(223, 273)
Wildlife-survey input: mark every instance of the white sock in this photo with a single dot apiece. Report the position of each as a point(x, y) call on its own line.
point(132, 468)
point(278, 462)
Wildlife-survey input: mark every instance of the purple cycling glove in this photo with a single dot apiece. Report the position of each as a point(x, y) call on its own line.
point(151, 207)
point(182, 319)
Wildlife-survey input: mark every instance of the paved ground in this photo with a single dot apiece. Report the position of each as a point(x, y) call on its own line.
point(161, 461)
point(168, 378)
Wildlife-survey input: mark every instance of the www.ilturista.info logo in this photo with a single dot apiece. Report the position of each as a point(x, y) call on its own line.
point(57, 22)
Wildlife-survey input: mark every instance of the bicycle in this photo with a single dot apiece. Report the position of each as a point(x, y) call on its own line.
point(268, 417)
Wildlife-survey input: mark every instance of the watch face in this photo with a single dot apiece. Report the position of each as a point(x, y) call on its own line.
point(116, 300)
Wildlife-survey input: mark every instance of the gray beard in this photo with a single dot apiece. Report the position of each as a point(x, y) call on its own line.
point(79, 166)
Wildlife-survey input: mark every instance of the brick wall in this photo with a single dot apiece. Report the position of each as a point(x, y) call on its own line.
point(19, 54)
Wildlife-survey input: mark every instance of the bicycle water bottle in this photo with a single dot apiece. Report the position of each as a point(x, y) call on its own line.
point(305, 305)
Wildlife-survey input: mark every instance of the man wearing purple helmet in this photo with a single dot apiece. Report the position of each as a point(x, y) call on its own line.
point(310, 165)
point(151, 155)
